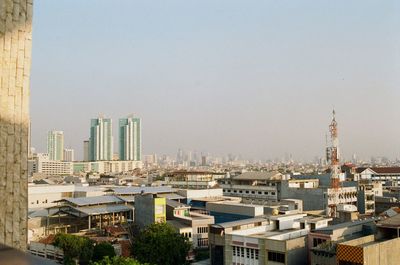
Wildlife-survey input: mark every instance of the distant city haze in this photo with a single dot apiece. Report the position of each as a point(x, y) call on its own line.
point(256, 78)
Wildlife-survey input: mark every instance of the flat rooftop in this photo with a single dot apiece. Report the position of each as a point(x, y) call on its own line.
point(331, 228)
point(241, 222)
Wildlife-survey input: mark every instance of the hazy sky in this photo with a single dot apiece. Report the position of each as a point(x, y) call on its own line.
point(259, 78)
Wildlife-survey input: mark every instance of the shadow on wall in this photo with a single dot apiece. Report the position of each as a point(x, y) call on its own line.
point(15, 60)
point(11, 256)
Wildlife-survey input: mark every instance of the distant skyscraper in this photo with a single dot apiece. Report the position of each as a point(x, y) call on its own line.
point(130, 139)
point(55, 145)
point(69, 155)
point(86, 150)
point(101, 140)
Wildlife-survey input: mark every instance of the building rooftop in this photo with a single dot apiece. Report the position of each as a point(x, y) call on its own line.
point(170, 196)
point(390, 222)
point(259, 175)
point(241, 222)
point(176, 204)
point(178, 225)
point(139, 190)
point(100, 209)
point(331, 228)
point(85, 201)
point(380, 170)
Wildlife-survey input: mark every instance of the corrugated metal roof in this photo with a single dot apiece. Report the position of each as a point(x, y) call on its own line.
point(127, 198)
point(96, 210)
point(171, 196)
point(175, 204)
point(138, 190)
point(83, 201)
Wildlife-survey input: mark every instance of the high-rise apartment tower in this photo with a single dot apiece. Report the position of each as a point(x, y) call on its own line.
point(101, 140)
point(55, 145)
point(130, 139)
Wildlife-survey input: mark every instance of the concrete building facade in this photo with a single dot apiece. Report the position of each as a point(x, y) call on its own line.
point(15, 62)
point(101, 140)
point(130, 139)
point(55, 145)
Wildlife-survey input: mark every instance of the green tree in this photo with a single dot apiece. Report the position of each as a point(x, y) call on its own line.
point(76, 248)
point(160, 244)
point(117, 261)
point(102, 250)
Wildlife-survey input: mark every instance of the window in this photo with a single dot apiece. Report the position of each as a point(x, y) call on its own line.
point(242, 252)
point(234, 191)
point(273, 193)
point(318, 241)
point(276, 256)
point(237, 227)
point(247, 191)
point(252, 192)
point(259, 192)
point(252, 253)
point(256, 253)
point(202, 230)
point(224, 190)
point(202, 242)
point(247, 253)
point(266, 192)
point(234, 251)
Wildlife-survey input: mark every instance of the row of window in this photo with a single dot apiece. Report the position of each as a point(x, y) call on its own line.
point(276, 256)
point(252, 192)
point(187, 235)
point(202, 242)
point(202, 229)
point(37, 201)
point(250, 253)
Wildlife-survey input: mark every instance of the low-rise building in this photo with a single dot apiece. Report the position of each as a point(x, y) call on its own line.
point(193, 179)
point(149, 210)
point(253, 186)
point(192, 224)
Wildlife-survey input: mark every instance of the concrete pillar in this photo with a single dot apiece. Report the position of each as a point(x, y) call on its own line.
point(15, 60)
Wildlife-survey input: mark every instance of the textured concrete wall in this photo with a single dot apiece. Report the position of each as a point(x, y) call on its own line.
point(15, 60)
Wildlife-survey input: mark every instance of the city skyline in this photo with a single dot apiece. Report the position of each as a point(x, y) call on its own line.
point(258, 80)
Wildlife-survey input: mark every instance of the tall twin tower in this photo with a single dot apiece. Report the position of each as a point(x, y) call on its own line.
point(100, 144)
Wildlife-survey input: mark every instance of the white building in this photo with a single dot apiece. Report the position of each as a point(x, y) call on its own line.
point(68, 155)
point(42, 164)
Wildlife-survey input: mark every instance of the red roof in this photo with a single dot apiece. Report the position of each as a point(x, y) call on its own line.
point(380, 170)
point(386, 170)
point(116, 230)
point(47, 240)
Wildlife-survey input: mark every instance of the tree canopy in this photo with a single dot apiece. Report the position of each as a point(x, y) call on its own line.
point(117, 261)
point(75, 248)
point(160, 244)
point(101, 250)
